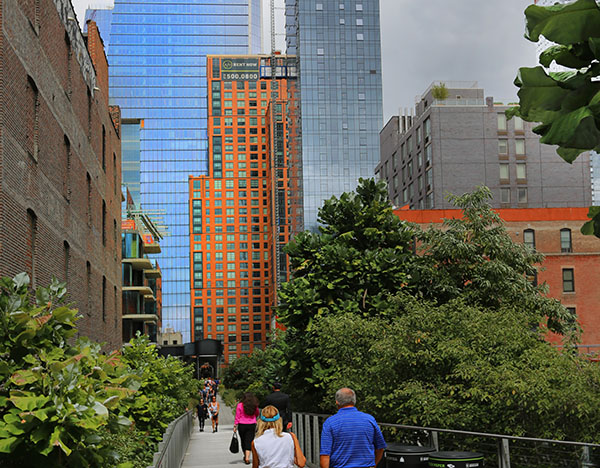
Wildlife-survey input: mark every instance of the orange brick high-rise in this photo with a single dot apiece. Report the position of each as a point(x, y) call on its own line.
point(248, 207)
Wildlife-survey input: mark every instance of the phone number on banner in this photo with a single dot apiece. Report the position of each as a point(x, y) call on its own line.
point(233, 76)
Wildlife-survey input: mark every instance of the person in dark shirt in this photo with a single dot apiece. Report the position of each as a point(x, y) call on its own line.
point(281, 401)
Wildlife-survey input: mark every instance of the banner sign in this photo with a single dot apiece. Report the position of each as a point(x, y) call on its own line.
point(148, 239)
point(239, 69)
point(127, 225)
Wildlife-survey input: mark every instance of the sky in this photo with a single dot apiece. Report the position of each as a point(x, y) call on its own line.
point(440, 40)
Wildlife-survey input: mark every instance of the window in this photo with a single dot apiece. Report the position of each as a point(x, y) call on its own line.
point(566, 244)
point(502, 147)
point(519, 147)
point(568, 280)
point(518, 124)
point(33, 122)
point(360, 37)
point(529, 238)
point(359, 7)
point(359, 22)
point(505, 195)
point(103, 148)
point(32, 226)
point(521, 171)
point(504, 172)
point(522, 195)
point(501, 122)
point(320, 51)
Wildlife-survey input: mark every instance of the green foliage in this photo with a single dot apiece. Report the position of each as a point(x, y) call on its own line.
point(440, 92)
point(566, 104)
point(57, 398)
point(166, 388)
point(474, 259)
point(449, 337)
point(64, 403)
point(254, 373)
point(363, 257)
point(355, 263)
point(461, 367)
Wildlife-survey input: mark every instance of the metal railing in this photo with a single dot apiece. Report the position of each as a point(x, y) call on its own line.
point(175, 442)
point(499, 450)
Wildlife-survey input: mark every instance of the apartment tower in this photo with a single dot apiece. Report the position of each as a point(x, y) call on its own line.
point(242, 213)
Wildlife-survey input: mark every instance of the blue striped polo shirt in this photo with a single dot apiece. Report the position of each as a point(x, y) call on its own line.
point(350, 438)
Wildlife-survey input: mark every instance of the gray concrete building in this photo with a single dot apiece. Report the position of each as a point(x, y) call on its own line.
point(455, 144)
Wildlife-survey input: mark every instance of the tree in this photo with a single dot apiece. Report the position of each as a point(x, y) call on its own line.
point(364, 256)
point(355, 263)
point(459, 366)
point(566, 104)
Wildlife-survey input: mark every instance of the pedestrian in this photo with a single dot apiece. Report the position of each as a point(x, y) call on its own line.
point(202, 410)
point(245, 422)
point(272, 447)
point(350, 438)
point(213, 411)
point(281, 401)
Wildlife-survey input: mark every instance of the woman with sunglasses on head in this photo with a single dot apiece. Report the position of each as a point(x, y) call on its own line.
point(273, 448)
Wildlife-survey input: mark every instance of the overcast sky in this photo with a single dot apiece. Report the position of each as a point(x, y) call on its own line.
point(448, 40)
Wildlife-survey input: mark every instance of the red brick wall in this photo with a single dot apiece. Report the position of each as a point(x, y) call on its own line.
point(42, 184)
point(98, 56)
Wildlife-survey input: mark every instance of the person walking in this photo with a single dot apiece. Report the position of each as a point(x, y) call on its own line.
point(272, 447)
point(350, 438)
point(281, 401)
point(213, 411)
point(202, 410)
point(246, 412)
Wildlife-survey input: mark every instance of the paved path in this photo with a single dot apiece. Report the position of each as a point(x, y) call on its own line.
point(212, 450)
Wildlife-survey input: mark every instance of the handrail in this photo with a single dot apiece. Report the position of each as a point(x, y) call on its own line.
point(172, 449)
point(306, 426)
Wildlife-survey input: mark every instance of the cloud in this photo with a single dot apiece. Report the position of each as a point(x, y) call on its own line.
point(466, 40)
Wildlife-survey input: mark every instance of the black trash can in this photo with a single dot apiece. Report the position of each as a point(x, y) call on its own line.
point(455, 460)
point(407, 456)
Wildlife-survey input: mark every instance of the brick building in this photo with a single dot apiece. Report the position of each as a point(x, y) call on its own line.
point(60, 161)
point(243, 213)
point(571, 268)
point(456, 143)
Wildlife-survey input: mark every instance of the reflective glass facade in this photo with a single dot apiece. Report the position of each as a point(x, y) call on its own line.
point(157, 56)
point(339, 51)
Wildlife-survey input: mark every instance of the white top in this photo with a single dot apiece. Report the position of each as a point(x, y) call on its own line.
point(273, 451)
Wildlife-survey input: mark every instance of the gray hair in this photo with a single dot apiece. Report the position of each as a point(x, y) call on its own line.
point(345, 397)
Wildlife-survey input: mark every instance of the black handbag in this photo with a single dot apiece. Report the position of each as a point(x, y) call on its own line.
point(234, 446)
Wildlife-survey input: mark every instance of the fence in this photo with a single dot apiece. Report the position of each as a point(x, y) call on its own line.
point(174, 444)
point(499, 450)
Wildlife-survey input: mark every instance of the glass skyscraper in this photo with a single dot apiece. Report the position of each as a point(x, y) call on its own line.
point(157, 56)
point(339, 52)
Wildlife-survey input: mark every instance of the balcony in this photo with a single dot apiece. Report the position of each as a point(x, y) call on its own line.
point(150, 247)
point(153, 273)
point(139, 263)
point(141, 317)
point(142, 290)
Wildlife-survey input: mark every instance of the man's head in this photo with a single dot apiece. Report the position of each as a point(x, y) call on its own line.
point(345, 397)
point(277, 386)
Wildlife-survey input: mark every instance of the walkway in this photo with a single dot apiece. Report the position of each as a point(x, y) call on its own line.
point(212, 450)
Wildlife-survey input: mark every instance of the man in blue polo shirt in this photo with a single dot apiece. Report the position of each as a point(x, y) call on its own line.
point(350, 438)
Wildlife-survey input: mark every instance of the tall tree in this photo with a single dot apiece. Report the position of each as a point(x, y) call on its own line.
point(566, 104)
